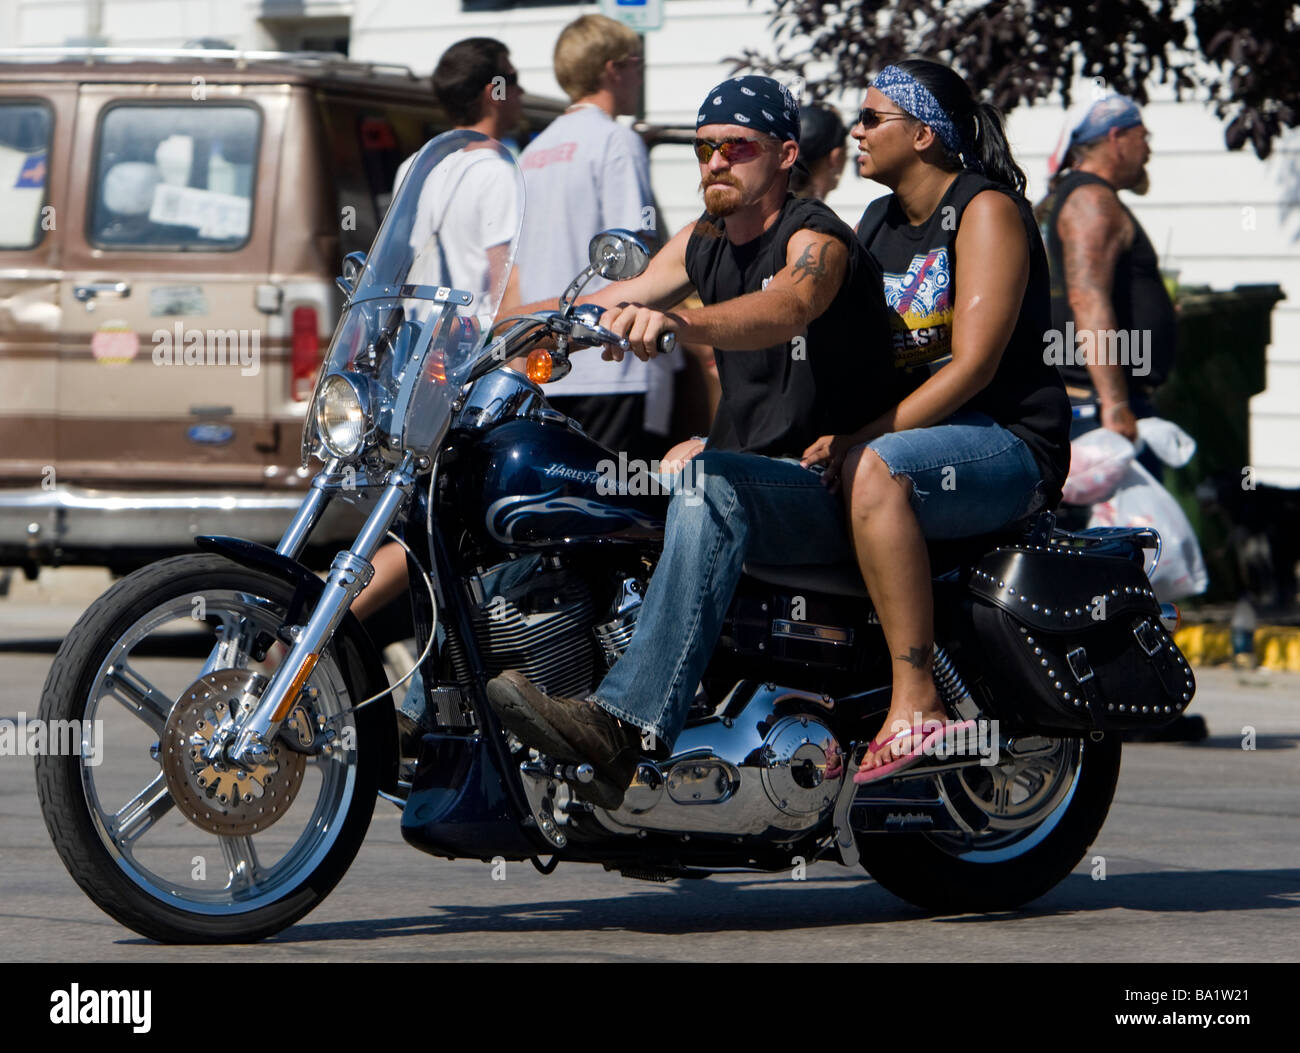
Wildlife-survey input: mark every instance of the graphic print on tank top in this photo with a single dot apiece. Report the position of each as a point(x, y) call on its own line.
point(920, 302)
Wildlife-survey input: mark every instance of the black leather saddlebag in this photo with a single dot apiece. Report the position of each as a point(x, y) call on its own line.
point(1071, 640)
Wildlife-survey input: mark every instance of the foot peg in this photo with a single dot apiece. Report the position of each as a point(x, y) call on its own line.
point(582, 777)
point(580, 773)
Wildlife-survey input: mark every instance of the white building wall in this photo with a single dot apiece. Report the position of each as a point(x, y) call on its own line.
point(1224, 218)
point(1198, 213)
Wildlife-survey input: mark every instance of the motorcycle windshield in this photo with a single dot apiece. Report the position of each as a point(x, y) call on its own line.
point(434, 280)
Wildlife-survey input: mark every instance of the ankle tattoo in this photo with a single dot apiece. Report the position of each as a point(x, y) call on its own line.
point(917, 657)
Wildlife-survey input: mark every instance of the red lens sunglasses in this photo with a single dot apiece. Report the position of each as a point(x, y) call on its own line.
point(733, 151)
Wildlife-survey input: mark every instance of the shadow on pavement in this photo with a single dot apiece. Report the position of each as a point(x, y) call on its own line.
point(178, 645)
point(705, 906)
point(1165, 892)
point(1233, 742)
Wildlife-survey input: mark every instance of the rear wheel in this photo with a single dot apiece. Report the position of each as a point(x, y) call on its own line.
point(1043, 812)
point(178, 849)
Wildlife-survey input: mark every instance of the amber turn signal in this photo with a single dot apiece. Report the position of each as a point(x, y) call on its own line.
point(538, 366)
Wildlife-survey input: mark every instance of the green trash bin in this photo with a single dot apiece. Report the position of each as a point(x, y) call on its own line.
point(1222, 341)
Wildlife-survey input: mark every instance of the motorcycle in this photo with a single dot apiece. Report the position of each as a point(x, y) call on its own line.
point(229, 792)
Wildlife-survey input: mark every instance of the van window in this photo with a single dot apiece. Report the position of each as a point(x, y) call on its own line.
point(368, 142)
point(175, 177)
point(24, 166)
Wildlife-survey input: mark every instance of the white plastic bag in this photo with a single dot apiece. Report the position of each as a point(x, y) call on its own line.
point(1140, 501)
point(1166, 440)
point(1098, 463)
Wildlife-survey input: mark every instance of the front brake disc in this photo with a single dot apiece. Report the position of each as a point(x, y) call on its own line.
point(218, 797)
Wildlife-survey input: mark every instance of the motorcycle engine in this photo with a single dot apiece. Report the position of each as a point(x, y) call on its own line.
point(758, 767)
point(538, 619)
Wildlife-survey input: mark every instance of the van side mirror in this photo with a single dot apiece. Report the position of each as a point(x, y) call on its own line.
point(353, 264)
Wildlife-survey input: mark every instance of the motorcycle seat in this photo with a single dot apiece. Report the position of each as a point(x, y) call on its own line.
point(845, 579)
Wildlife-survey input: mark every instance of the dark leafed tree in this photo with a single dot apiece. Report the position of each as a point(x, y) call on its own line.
point(1242, 58)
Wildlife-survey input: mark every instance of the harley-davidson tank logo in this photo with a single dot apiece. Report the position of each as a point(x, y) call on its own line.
point(563, 471)
point(504, 515)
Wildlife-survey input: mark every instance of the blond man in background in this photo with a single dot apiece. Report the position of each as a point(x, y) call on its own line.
point(586, 173)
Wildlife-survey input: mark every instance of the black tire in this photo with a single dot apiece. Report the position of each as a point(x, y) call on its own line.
point(115, 880)
point(1001, 870)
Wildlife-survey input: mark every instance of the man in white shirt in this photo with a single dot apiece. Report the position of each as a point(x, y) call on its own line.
point(583, 174)
point(478, 86)
point(468, 209)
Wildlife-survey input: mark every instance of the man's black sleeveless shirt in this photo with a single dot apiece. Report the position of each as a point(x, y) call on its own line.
point(1026, 395)
point(779, 400)
point(1138, 294)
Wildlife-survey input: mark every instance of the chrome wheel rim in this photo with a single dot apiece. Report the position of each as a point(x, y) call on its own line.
point(1023, 799)
point(148, 837)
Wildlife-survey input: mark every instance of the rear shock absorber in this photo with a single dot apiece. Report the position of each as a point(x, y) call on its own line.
point(952, 689)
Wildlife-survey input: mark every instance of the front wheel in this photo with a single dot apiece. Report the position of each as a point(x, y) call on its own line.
point(1043, 812)
point(177, 848)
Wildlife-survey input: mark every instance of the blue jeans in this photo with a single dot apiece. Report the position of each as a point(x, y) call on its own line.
point(742, 506)
point(737, 506)
point(969, 475)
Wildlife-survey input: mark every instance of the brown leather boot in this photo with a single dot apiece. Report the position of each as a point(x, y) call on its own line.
point(571, 730)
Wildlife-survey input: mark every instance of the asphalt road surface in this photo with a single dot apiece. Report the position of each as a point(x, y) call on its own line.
point(1201, 851)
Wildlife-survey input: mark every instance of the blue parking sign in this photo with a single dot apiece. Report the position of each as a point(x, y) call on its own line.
point(640, 15)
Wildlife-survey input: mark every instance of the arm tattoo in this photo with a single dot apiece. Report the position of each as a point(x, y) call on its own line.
point(1093, 238)
point(806, 267)
point(917, 657)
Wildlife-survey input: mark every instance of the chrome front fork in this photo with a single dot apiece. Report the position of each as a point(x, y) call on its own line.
point(349, 574)
point(309, 513)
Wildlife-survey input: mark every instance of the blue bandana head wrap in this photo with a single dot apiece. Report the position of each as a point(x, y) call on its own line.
point(915, 98)
point(761, 103)
point(1114, 111)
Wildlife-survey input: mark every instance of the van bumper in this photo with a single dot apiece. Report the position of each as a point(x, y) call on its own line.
point(73, 525)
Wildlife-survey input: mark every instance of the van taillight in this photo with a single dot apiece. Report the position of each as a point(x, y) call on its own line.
point(305, 357)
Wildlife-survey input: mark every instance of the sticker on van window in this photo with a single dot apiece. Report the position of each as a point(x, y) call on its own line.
point(217, 216)
point(177, 299)
point(114, 343)
point(32, 174)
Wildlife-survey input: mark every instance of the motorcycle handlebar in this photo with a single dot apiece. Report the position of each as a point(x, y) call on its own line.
point(666, 344)
point(525, 333)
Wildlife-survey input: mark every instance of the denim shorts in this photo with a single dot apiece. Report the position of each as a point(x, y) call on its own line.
point(969, 475)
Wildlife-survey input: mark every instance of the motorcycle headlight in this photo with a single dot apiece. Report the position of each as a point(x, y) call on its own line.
point(342, 415)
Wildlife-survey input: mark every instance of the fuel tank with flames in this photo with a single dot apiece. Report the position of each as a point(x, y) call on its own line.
point(531, 483)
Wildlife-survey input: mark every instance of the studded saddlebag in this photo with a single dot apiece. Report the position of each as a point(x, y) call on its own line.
point(1071, 640)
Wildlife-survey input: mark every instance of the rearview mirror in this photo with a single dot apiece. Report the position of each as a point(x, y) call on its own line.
point(353, 264)
point(617, 255)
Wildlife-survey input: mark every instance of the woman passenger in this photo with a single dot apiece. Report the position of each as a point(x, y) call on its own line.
point(982, 440)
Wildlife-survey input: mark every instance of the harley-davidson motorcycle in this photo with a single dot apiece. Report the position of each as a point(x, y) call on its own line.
point(229, 792)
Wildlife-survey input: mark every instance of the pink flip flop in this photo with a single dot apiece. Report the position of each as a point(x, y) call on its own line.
point(928, 738)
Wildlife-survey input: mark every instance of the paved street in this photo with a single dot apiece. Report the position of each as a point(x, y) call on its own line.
point(1202, 861)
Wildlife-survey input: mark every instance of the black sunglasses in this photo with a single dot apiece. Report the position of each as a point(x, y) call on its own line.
point(869, 118)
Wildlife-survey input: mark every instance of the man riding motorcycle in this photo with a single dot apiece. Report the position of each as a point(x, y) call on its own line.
point(794, 308)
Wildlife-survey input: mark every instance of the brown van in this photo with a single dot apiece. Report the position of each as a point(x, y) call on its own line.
point(171, 224)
